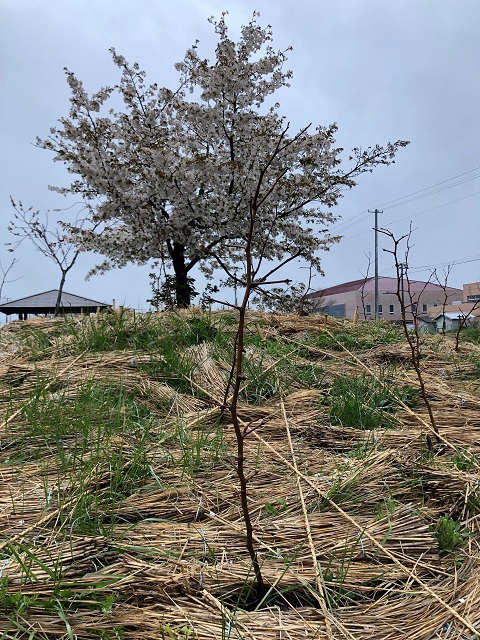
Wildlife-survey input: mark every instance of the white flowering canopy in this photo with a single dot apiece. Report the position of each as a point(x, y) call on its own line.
point(178, 175)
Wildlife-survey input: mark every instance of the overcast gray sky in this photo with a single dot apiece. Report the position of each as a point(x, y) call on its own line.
point(382, 69)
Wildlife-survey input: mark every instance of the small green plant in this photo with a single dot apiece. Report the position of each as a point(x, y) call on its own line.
point(367, 335)
point(364, 447)
point(409, 395)
point(361, 402)
point(171, 367)
point(275, 365)
point(464, 460)
point(38, 342)
point(473, 502)
point(448, 534)
point(106, 606)
point(334, 575)
point(177, 633)
point(385, 508)
point(471, 334)
point(117, 633)
point(278, 505)
point(200, 449)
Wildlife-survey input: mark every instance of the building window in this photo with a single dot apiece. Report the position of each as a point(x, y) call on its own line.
point(380, 309)
point(473, 298)
point(424, 308)
point(368, 309)
point(414, 308)
point(334, 310)
point(392, 308)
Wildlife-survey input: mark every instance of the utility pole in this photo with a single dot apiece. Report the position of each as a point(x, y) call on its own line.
point(402, 266)
point(376, 212)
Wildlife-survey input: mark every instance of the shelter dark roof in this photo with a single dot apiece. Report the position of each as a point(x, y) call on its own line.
point(45, 303)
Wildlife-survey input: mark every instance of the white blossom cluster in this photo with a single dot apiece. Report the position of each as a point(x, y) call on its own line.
point(176, 175)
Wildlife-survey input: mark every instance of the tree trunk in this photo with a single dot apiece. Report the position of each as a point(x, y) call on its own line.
point(182, 288)
point(59, 296)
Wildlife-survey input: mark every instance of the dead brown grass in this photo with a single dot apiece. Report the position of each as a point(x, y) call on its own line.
point(344, 518)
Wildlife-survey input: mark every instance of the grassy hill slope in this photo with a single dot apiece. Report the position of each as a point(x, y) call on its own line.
point(119, 507)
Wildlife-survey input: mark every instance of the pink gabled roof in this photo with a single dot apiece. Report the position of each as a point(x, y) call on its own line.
point(385, 285)
point(353, 285)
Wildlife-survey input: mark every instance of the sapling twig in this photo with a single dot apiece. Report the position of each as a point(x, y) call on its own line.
point(4, 275)
point(236, 377)
point(444, 286)
point(463, 317)
point(413, 338)
point(365, 280)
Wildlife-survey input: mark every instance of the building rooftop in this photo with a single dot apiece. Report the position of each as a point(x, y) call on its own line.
point(385, 285)
point(45, 302)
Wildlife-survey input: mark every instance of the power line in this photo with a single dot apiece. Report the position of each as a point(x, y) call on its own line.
point(429, 267)
point(419, 213)
point(431, 193)
point(406, 202)
point(445, 264)
point(353, 224)
point(347, 224)
point(431, 187)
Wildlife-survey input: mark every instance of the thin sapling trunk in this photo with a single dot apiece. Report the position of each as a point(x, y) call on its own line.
point(413, 338)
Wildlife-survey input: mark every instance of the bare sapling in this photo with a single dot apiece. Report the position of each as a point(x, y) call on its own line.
point(463, 316)
point(409, 303)
point(304, 304)
point(4, 275)
point(250, 283)
point(463, 319)
point(365, 280)
point(53, 241)
point(444, 285)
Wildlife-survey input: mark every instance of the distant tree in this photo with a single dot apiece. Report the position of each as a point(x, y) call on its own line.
point(366, 278)
point(4, 275)
point(444, 285)
point(53, 241)
point(174, 173)
point(465, 319)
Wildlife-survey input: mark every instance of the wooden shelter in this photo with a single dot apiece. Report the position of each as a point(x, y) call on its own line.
point(43, 304)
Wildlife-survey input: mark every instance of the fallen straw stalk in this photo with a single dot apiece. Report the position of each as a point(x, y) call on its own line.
point(316, 564)
point(365, 533)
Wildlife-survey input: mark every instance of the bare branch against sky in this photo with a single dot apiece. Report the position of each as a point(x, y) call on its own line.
point(382, 70)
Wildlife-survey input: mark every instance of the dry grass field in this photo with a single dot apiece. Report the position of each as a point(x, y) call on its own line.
point(119, 508)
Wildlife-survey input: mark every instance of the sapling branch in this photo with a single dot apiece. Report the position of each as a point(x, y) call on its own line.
point(413, 339)
point(224, 302)
point(249, 428)
point(463, 317)
point(5, 271)
point(262, 283)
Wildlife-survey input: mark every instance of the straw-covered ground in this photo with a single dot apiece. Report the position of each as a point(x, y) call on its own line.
point(119, 503)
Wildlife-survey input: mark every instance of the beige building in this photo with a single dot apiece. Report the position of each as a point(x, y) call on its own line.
point(468, 305)
point(419, 297)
